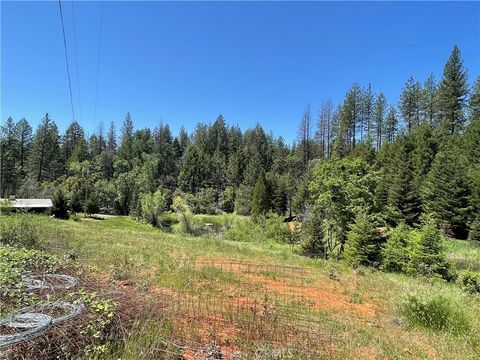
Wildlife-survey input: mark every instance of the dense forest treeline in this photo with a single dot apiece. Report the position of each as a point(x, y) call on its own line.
point(393, 164)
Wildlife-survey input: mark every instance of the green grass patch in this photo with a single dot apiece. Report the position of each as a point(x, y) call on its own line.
point(438, 312)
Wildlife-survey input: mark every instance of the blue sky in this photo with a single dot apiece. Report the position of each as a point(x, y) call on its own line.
point(187, 62)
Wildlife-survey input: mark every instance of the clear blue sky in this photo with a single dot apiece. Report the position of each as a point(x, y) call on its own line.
point(250, 61)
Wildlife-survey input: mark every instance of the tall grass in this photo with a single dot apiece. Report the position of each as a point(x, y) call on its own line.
point(437, 311)
point(269, 228)
point(19, 230)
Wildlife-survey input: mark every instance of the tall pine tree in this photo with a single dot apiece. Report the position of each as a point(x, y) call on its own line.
point(452, 94)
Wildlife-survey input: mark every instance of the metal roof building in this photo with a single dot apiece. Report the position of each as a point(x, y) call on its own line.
point(30, 203)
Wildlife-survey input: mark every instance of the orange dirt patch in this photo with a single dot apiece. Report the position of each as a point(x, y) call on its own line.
point(323, 299)
point(324, 296)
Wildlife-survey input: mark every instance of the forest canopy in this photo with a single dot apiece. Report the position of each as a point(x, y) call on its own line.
point(391, 163)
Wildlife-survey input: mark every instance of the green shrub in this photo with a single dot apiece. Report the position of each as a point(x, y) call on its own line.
point(394, 252)
point(228, 220)
point(474, 230)
point(363, 242)
point(91, 206)
point(19, 230)
point(6, 206)
point(153, 205)
point(264, 228)
point(470, 281)
point(426, 253)
point(261, 201)
point(181, 207)
point(243, 200)
point(59, 205)
point(313, 236)
point(436, 312)
point(227, 200)
point(203, 202)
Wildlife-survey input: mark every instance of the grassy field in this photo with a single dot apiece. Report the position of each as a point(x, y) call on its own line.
point(354, 314)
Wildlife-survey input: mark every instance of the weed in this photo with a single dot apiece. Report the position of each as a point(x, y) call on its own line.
point(470, 281)
point(19, 230)
point(436, 312)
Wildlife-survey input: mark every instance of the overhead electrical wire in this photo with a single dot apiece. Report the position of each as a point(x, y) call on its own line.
point(76, 61)
point(98, 64)
point(66, 58)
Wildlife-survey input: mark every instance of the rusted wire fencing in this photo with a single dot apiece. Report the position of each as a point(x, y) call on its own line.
point(265, 309)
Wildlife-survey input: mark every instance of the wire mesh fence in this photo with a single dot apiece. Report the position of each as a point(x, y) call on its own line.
point(265, 311)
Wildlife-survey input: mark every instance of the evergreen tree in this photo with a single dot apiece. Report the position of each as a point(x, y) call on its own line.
point(74, 145)
point(363, 243)
point(471, 137)
point(261, 199)
point(426, 252)
point(195, 171)
point(403, 198)
point(351, 115)
point(8, 158)
point(391, 125)
point(183, 139)
point(125, 148)
point(425, 148)
point(368, 110)
point(112, 138)
point(395, 250)
point(59, 205)
point(430, 102)
point(45, 160)
point(227, 200)
point(142, 144)
point(379, 119)
point(410, 103)
point(313, 236)
point(323, 132)
point(445, 192)
point(452, 94)
point(243, 200)
point(24, 138)
point(305, 131)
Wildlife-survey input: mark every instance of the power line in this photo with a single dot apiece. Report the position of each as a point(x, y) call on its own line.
point(66, 58)
point(76, 61)
point(98, 64)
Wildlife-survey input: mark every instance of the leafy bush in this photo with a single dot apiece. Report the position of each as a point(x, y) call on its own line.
point(6, 206)
point(181, 207)
point(153, 205)
point(19, 230)
point(436, 312)
point(264, 228)
point(59, 205)
point(394, 252)
point(105, 193)
point(363, 242)
point(470, 281)
point(340, 188)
